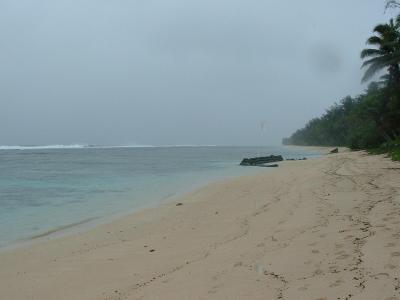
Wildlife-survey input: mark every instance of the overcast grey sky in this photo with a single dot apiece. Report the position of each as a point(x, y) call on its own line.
point(175, 71)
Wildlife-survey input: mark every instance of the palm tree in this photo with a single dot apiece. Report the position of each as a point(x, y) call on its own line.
point(387, 51)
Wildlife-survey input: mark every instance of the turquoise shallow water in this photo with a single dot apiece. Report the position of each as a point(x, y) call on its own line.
point(44, 189)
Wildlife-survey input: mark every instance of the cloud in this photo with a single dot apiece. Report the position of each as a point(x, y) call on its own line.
point(174, 71)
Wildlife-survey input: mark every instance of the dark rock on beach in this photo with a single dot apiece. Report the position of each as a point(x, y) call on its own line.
point(257, 161)
point(336, 150)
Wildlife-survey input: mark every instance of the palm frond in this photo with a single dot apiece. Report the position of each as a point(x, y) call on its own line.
point(385, 77)
point(395, 43)
point(392, 4)
point(375, 40)
point(376, 64)
point(372, 70)
point(382, 28)
point(387, 59)
point(370, 52)
point(392, 58)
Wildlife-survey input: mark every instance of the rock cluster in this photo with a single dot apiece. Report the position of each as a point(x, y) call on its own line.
point(257, 161)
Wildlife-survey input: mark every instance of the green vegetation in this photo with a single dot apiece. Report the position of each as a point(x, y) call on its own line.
point(393, 149)
point(372, 119)
point(396, 154)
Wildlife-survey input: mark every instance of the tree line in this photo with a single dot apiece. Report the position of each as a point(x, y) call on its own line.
point(372, 119)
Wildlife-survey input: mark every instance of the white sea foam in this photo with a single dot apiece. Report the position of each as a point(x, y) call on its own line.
point(187, 145)
point(126, 146)
point(81, 146)
point(74, 146)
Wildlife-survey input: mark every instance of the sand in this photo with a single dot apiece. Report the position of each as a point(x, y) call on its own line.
point(326, 228)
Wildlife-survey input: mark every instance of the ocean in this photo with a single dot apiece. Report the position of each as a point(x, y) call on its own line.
point(45, 190)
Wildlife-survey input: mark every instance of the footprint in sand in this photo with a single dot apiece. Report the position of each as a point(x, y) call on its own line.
point(315, 251)
point(389, 245)
point(238, 264)
point(318, 272)
point(337, 283)
point(303, 288)
point(343, 256)
point(390, 266)
point(333, 269)
point(395, 254)
point(377, 276)
point(338, 246)
point(214, 289)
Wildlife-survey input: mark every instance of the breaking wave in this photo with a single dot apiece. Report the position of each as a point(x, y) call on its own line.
point(75, 146)
point(81, 146)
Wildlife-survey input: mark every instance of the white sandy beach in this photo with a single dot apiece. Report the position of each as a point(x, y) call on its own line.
point(326, 228)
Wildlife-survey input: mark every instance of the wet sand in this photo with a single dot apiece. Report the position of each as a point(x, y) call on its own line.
point(326, 228)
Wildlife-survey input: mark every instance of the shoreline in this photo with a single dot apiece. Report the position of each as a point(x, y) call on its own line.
point(90, 223)
point(249, 237)
point(324, 150)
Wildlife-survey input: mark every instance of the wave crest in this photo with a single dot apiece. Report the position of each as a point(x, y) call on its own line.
point(74, 146)
point(81, 146)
